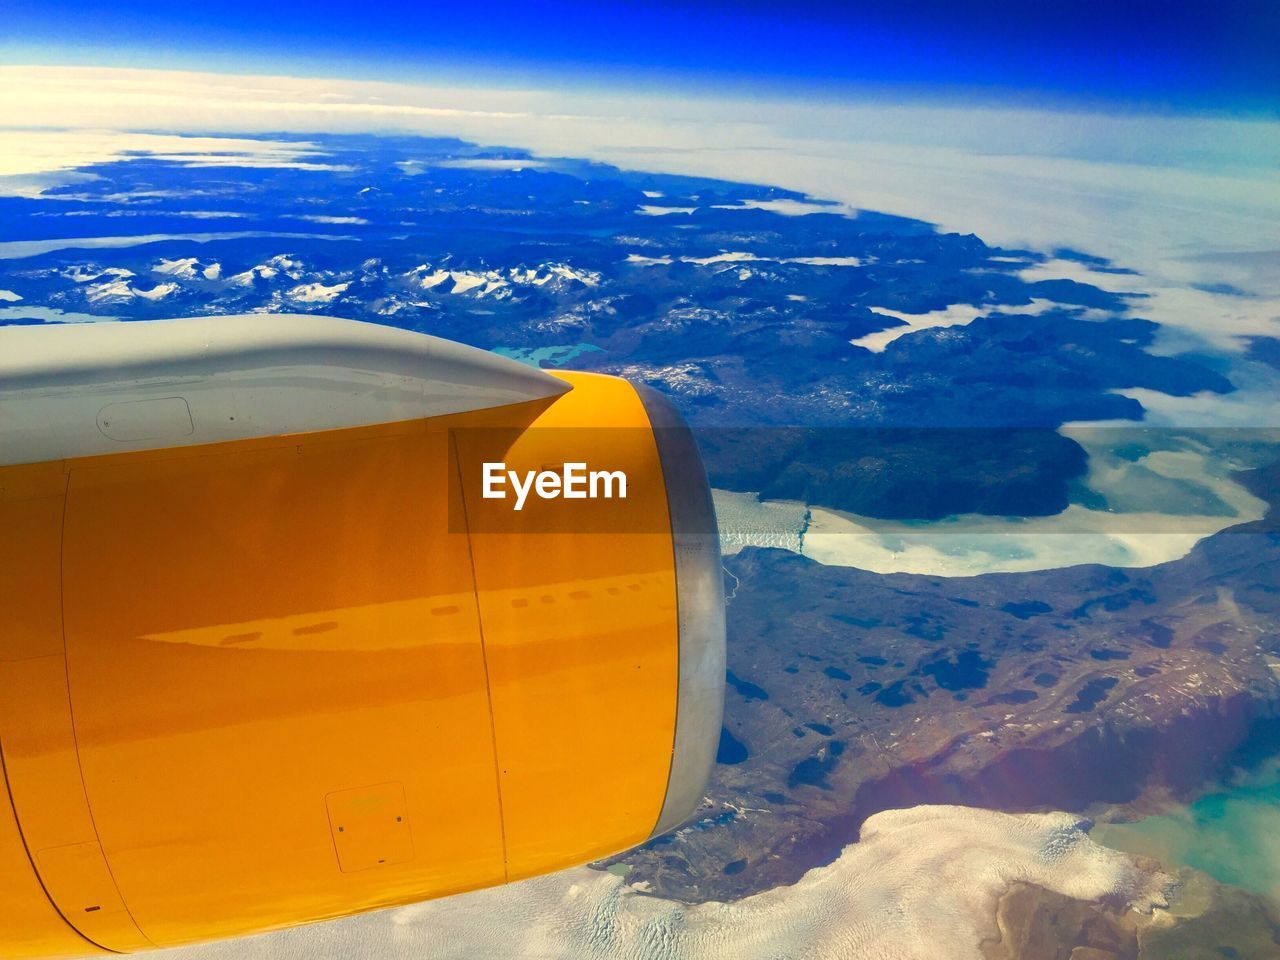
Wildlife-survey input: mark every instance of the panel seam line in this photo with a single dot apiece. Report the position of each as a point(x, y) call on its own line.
point(484, 655)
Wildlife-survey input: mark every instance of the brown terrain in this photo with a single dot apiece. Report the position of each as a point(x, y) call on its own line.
point(1089, 689)
point(1205, 921)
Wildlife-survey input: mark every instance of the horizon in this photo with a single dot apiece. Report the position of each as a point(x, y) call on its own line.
point(1137, 57)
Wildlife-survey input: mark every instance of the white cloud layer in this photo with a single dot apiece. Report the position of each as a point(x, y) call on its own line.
point(1192, 179)
point(921, 884)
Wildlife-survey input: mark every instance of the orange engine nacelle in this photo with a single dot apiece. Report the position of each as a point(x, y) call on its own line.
point(255, 680)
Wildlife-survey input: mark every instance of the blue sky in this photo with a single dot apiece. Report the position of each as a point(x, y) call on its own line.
point(1167, 56)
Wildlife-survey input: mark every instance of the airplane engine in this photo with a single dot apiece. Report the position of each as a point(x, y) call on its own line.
point(280, 639)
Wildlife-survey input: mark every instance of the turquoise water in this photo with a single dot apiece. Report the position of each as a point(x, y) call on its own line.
point(1232, 835)
point(535, 356)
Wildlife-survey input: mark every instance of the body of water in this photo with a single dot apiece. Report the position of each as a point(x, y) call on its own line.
point(1232, 834)
point(536, 356)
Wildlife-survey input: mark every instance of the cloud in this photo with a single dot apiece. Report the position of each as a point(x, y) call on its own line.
point(1159, 193)
point(25, 153)
point(920, 883)
point(1125, 185)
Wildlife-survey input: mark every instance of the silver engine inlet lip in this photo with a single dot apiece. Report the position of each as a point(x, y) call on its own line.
point(700, 610)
